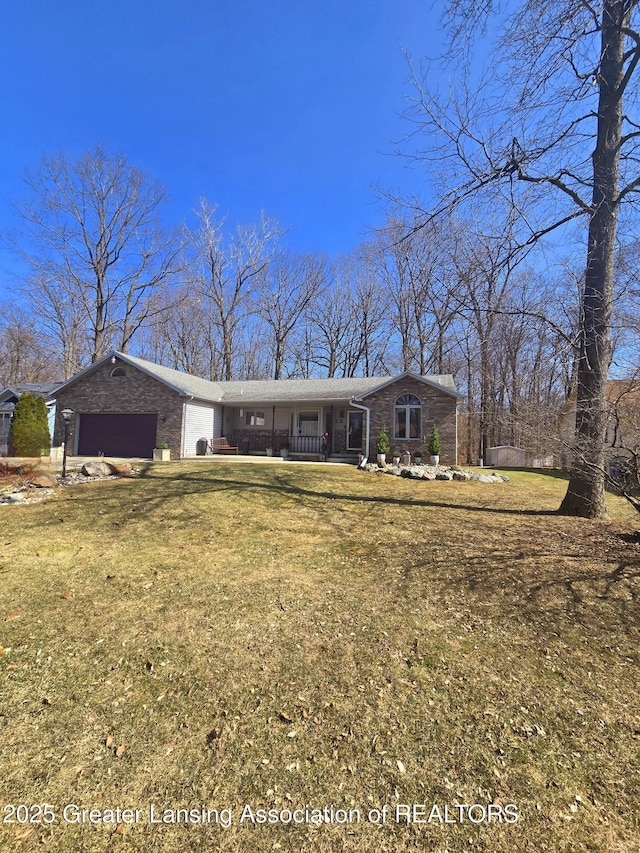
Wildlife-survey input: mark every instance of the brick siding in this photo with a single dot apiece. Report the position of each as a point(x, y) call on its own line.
point(438, 409)
point(97, 392)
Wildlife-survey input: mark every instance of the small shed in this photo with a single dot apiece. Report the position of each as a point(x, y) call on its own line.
point(507, 456)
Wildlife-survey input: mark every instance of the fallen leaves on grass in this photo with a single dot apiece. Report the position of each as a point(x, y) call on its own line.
point(511, 619)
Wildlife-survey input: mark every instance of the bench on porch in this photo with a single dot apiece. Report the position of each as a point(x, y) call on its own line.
point(221, 445)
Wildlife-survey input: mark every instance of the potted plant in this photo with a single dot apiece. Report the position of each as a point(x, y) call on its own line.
point(406, 458)
point(161, 452)
point(382, 446)
point(324, 445)
point(284, 450)
point(396, 456)
point(417, 457)
point(435, 445)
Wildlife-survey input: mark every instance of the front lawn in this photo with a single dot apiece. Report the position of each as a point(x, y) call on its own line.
point(221, 636)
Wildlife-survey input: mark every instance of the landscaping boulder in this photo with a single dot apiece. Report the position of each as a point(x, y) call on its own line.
point(444, 475)
point(463, 476)
point(97, 469)
point(43, 481)
point(15, 498)
point(408, 474)
point(121, 469)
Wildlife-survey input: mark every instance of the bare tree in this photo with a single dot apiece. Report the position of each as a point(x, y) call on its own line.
point(373, 333)
point(344, 329)
point(183, 335)
point(561, 147)
point(60, 314)
point(97, 254)
point(26, 355)
point(331, 323)
point(287, 289)
point(413, 264)
point(228, 271)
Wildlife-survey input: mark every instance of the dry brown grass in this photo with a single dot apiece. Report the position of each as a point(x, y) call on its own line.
point(219, 634)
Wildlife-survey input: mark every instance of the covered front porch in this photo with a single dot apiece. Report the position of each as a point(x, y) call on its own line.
point(328, 430)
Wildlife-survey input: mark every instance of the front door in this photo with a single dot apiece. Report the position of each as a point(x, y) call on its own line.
point(308, 423)
point(354, 431)
point(306, 432)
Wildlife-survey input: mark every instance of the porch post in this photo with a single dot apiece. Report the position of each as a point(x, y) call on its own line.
point(273, 427)
point(330, 430)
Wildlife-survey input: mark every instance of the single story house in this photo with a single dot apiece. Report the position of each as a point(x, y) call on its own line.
point(10, 396)
point(125, 406)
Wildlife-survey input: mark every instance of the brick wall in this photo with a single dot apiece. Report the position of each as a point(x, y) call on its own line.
point(134, 393)
point(438, 409)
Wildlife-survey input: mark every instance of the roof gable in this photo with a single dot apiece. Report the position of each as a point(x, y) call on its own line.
point(182, 383)
point(442, 382)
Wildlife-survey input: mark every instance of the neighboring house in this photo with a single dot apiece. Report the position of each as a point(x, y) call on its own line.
point(10, 396)
point(623, 427)
point(124, 406)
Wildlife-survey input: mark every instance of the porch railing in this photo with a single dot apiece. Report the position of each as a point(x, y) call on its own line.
point(251, 442)
point(305, 444)
point(248, 442)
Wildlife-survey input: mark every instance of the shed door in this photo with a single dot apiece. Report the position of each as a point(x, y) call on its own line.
point(117, 435)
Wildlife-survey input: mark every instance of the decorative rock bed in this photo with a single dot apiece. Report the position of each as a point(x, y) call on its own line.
point(435, 472)
point(35, 487)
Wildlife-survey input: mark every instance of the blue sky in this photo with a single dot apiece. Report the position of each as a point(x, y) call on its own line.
point(285, 106)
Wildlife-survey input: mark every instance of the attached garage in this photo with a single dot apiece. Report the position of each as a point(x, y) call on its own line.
point(125, 406)
point(201, 420)
point(116, 434)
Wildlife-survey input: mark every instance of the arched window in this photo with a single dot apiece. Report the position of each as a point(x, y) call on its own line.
point(408, 417)
point(117, 372)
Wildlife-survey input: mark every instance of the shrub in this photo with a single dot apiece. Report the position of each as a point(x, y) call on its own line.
point(30, 428)
point(435, 443)
point(382, 444)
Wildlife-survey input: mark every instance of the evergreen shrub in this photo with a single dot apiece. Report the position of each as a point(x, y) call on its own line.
point(30, 427)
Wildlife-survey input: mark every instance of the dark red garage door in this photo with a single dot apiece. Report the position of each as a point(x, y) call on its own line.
point(117, 435)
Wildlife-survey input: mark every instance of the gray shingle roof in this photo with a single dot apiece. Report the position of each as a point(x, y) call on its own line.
point(269, 391)
point(40, 389)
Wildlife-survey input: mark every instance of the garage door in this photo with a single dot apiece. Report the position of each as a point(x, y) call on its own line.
point(117, 435)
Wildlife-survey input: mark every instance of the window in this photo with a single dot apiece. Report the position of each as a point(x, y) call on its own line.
point(5, 428)
point(408, 417)
point(117, 372)
point(254, 418)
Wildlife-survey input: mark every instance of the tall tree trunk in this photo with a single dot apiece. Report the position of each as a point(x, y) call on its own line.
point(586, 492)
